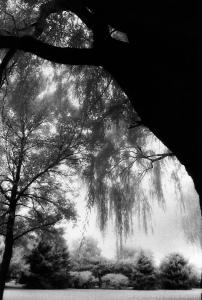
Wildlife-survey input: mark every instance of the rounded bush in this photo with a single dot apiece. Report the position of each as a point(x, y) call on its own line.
point(123, 267)
point(114, 281)
point(82, 280)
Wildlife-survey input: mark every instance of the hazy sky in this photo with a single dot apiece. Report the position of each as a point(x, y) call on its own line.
point(167, 237)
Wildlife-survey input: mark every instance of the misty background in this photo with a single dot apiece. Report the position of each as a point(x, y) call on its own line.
point(175, 228)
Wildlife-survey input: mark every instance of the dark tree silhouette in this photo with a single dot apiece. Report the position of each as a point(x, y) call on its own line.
point(157, 63)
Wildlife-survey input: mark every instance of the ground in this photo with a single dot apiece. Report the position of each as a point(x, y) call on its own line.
point(13, 292)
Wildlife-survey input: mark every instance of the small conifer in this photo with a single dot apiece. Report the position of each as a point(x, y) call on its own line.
point(145, 275)
point(49, 267)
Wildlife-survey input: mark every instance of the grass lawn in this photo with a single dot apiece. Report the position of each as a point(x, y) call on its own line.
point(12, 293)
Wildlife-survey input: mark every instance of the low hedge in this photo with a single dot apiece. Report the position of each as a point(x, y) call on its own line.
point(83, 280)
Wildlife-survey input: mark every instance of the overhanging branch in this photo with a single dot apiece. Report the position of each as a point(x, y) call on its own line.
point(71, 56)
point(66, 55)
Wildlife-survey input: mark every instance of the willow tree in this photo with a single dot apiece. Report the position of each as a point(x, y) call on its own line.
point(121, 153)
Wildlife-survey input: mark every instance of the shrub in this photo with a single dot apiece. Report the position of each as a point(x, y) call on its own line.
point(82, 280)
point(176, 273)
point(114, 281)
point(125, 268)
point(145, 274)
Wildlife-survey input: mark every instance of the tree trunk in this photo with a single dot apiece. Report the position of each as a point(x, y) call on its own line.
point(7, 251)
point(162, 79)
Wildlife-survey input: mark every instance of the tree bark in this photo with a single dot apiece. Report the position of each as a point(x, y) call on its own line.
point(7, 250)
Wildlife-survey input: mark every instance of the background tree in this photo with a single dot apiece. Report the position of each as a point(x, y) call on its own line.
point(85, 255)
point(49, 266)
point(128, 153)
point(129, 253)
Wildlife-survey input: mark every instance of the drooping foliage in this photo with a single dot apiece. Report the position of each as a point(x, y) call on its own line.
point(190, 219)
point(101, 117)
point(119, 156)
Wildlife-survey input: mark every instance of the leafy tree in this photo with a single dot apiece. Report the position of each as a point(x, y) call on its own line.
point(39, 145)
point(145, 274)
point(85, 255)
point(49, 266)
point(175, 272)
point(88, 248)
point(159, 58)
